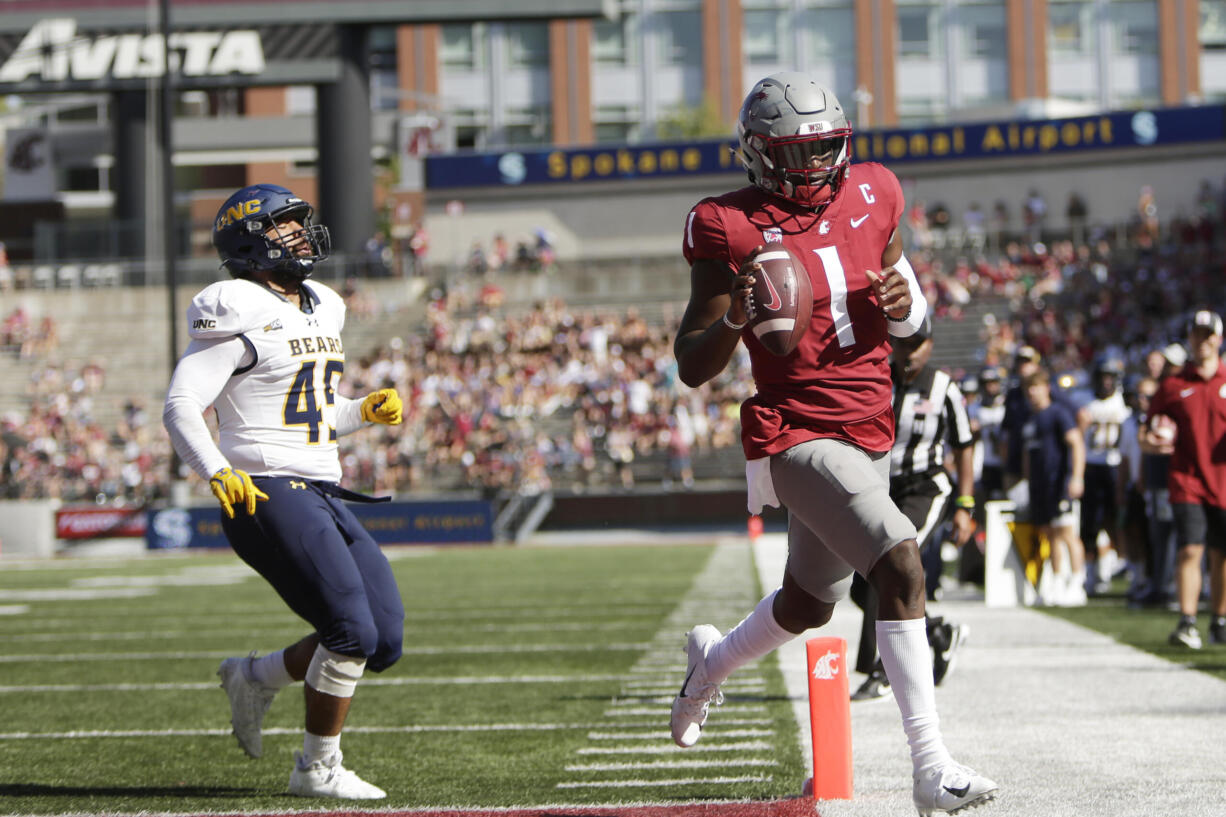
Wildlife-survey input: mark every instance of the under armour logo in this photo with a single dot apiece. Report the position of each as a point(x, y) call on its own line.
point(826, 667)
point(297, 484)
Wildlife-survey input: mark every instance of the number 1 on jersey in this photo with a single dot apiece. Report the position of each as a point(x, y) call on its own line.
point(836, 278)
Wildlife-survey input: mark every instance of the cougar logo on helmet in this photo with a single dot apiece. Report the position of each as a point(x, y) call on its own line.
point(795, 140)
point(251, 233)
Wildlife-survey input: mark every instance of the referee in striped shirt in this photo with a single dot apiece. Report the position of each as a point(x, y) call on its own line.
point(931, 425)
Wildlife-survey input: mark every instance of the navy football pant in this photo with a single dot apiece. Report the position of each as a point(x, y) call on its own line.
point(315, 553)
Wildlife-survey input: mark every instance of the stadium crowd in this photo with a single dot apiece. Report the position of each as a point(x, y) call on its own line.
point(555, 396)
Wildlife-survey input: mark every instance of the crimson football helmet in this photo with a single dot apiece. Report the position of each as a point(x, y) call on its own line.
point(795, 140)
point(240, 233)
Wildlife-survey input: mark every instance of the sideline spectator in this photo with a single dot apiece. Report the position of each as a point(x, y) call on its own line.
point(1054, 465)
point(1188, 422)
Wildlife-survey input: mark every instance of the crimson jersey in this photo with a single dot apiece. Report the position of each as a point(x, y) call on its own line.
point(837, 381)
point(1198, 407)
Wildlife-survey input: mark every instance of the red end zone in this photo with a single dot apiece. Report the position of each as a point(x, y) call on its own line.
point(794, 807)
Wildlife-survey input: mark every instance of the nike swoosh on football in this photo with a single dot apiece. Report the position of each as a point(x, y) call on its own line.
point(856, 222)
point(776, 301)
point(958, 792)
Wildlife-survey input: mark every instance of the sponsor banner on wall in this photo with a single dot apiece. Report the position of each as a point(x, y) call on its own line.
point(1031, 137)
point(99, 523)
point(390, 523)
point(59, 54)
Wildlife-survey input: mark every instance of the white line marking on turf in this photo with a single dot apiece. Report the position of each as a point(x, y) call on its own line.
point(661, 749)
point(462, 649)
point(722, 763)
point(366, 682)
point(78, 734)
point(664, 735)
point(687, 781)
point(67, 594)
point(655, 722)
point(14, 609)
point(291, 627)
point(656, 710)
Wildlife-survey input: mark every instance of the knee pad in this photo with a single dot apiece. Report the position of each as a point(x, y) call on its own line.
point(334, 674)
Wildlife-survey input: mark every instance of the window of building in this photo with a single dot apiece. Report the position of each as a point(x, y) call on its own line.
point(918, 30)
point(528, 126)
point(470, 127)
point(680, 37)
point(384, 82)
point(616, 123)
point(983, 30)
point(828, 33)
point(613, 41)
point(1134, 26)
point(527, 45)
point(1213, 25)
point(766, 38)
point(463, 46)
point(1070, 27)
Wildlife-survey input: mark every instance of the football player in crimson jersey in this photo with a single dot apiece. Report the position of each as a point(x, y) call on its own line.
point(817, 434)
point(266, 354)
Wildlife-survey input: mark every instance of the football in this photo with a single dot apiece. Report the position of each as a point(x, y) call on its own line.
point(782, 298)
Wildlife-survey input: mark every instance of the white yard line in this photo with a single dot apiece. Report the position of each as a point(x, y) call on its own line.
point(465, 649)
point(722, 763)
point(366, 682)
point(688, 781)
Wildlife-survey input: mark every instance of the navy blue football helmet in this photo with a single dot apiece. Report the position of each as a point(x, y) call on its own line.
point(241, 233)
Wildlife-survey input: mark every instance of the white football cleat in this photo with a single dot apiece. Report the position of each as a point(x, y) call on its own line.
point(697, 692)
point(950, 789)
point(328, 778)
point(249, 701)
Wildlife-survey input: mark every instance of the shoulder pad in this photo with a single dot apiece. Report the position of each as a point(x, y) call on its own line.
point(227, 308)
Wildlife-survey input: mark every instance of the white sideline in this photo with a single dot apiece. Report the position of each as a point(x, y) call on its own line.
point(1067, 721)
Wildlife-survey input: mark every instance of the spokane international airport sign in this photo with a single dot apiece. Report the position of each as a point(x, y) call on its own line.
point(985, 140)
point(103, 45)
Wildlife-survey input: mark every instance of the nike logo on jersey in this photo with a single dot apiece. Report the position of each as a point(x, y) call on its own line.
point(960, 791)
point(856, 222)
point(1187, 393)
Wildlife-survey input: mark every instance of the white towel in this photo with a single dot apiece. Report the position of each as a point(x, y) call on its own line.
point(761, 486)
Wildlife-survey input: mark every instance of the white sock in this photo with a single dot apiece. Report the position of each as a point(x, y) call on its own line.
point(270, 670)
point(757, 635)
point(319, 747)
point(908, 666)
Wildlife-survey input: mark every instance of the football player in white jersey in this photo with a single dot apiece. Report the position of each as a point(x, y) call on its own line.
point(266, 354)
point(1102, 420)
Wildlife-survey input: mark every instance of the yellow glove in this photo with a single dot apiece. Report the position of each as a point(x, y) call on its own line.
point(383, 406)
point(234, 487)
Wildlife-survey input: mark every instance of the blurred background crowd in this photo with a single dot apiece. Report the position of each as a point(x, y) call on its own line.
point(525, 397)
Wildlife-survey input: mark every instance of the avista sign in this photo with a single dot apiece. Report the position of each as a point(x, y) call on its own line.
point(53, 52)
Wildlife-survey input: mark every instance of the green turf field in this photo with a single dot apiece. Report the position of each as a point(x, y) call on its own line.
point(531, 676)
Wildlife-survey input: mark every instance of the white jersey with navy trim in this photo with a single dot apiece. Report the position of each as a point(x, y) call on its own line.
point(276, 415)
point(1104, 433)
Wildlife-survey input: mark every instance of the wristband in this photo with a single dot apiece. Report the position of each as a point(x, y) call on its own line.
point(736, 327)
point(889, 317)
point(965, 502)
